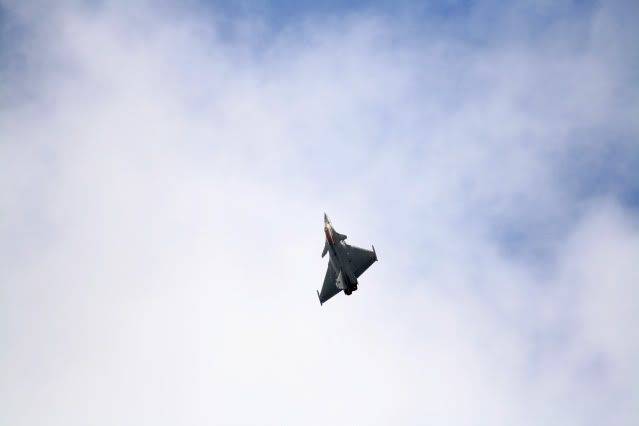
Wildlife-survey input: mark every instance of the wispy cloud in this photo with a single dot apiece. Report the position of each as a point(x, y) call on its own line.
point(164, 172)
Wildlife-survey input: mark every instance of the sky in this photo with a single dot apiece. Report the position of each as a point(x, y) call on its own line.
point(165, 167)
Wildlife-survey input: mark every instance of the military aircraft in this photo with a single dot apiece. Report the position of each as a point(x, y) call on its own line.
point(346, 263)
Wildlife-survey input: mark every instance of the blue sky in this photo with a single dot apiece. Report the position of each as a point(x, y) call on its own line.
point(165, 170)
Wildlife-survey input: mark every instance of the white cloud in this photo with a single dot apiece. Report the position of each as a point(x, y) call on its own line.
point(164, 185)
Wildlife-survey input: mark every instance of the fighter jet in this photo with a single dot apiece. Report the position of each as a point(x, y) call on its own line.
point(346, 263)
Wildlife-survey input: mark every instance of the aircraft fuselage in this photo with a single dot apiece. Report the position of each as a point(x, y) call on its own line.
point(338, 259)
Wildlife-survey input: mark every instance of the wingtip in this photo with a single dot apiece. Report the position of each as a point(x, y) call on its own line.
point(374, 252)
point(318, 296)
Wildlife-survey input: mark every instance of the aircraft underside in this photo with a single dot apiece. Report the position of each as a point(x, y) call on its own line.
point(346, 264)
